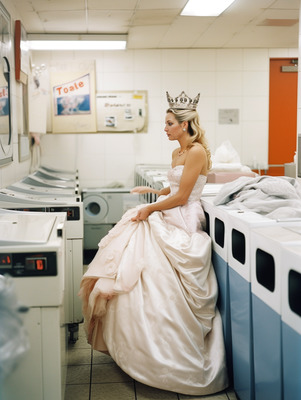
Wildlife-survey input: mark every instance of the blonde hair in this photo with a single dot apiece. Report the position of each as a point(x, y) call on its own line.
point(196, 132)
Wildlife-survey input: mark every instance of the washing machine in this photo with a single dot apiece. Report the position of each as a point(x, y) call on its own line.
point(147, 175)
point(158, 182)
point(36, 179)
point(142, 169)
point(74, 244)
point(43, 190)
point(42, 173)
point(61, 173)
point(31, 196)
point(32, 252)
point(103, 208)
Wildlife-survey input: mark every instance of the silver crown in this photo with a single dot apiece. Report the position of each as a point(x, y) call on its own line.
point(183, 102)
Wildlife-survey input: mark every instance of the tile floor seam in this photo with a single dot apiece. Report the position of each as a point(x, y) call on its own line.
point(91, 365)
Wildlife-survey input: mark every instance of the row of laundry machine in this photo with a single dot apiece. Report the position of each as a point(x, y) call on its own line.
point(51, 192)
point(155, 176)
point(47, 222)
point(41, 251)
point(257, 261)
point(152, 175)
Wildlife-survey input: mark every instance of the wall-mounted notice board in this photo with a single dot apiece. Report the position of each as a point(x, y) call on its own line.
point(122, 111)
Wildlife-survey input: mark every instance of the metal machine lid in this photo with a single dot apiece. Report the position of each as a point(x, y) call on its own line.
point(50, 176)
point(294, 228)
point(103, 190)
point(7, 197)
point(38, 181)
point(50, 192)
point(58, 171)
point(18, 228)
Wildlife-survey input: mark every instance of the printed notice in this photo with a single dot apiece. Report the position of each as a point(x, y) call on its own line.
point(228, 116)
point(122, 111)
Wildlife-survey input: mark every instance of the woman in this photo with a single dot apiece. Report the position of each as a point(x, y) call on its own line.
point(149, 295)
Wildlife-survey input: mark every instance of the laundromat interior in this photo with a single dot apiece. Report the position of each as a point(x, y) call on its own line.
point(81, 126)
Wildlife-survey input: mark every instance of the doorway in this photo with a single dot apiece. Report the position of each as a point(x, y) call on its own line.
point(282, 114)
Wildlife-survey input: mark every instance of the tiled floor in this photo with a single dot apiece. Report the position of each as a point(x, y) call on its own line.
point(92, 375)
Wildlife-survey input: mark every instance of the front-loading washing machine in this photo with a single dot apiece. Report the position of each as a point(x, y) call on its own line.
point(103, 208)
point(32, 252)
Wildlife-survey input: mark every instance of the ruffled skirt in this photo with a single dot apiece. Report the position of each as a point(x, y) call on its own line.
point(149, 299)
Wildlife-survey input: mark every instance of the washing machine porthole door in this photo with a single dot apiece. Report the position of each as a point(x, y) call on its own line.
point(95, 209)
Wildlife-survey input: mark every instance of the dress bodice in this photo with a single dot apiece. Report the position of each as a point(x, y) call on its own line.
point(174, 177)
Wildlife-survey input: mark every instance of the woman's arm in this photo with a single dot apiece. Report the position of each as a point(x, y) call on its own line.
point(147, 189)
point(194, 165)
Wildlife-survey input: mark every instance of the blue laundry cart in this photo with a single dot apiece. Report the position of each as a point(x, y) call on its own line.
point(291, 322)
point(266, 276)
point(217, 217)
point(239, 226)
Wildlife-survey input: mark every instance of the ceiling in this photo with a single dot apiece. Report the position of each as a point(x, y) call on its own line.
point(156, 24)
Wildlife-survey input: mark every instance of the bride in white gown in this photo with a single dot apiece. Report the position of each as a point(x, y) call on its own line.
point(149, 295)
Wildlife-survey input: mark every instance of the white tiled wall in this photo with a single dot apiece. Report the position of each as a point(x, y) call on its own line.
point(226, 78)
point(233, 78)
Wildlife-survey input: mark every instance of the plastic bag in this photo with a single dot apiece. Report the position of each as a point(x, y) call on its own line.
point(14, 340)
point(226, 153)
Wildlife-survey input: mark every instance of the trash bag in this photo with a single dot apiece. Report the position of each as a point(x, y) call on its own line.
point(226, 153)
point(14, 341)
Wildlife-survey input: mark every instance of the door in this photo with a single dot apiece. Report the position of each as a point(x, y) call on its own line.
point(282, 114)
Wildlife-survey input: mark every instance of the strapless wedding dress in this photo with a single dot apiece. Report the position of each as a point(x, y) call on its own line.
point(149, 299)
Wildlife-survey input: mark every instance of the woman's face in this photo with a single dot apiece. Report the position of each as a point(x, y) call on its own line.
point(173, 129)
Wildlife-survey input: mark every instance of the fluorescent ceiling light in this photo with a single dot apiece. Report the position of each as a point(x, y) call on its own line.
point(205, 8)
point(75, 45)
point(76, 42)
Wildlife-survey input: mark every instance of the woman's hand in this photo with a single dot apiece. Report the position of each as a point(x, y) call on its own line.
point(142, 214)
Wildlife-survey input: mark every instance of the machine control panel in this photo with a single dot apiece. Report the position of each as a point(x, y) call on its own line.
point(73, 212)
point(28, 264)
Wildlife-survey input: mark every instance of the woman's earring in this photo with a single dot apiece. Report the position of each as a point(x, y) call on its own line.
point(184, 129)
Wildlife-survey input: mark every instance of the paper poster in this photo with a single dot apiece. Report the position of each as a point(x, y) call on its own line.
point(38, 97)
point(73, 102)
point(73, 98)
point(122, 111)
